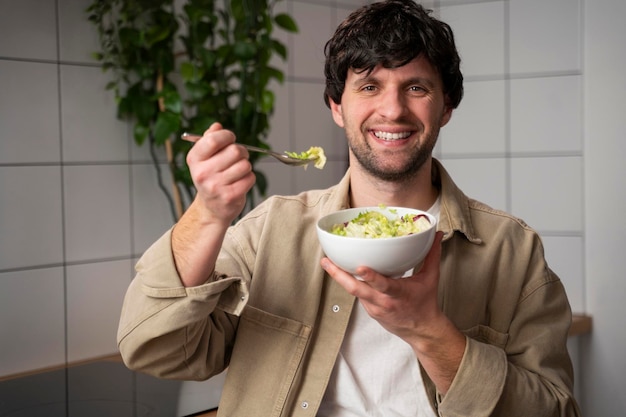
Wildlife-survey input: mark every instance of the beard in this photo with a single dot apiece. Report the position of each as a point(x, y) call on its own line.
point(393, 166)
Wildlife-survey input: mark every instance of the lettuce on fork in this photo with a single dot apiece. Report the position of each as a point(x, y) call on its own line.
point(315, 154)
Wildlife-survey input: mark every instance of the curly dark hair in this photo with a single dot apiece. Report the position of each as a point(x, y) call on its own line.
point(391, 33)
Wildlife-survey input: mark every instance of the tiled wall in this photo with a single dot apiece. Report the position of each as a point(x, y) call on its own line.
point(79, 202)
point(516, 140)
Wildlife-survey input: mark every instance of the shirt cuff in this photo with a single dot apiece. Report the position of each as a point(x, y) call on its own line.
point(478, 384)
point(160, 279)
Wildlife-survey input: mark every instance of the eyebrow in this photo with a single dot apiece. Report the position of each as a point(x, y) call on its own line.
point(369, 78)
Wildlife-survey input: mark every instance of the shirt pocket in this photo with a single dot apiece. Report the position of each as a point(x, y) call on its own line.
point(266, 358)
point(486, 334)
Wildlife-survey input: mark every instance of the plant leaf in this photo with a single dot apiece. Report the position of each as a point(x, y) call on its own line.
point(173, 103)
point(166, 124)
point(267, 101)
point(245, 50)
point(280, 48)
point(271, 72)
point(187, 71)
point(140, 133)
point(286, 22)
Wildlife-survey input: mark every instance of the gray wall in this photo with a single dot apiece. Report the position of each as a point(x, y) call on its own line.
point(538, 134)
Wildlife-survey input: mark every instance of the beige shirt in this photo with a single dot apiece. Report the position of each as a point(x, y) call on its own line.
point(276, 321)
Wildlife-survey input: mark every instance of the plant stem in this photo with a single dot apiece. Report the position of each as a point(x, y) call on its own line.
point(178, 212)
point(175, 190)
point(162, 187)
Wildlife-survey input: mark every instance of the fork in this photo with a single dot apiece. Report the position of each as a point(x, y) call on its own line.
point(284, 158)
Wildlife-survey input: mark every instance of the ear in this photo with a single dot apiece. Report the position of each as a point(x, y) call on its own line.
point(447, 113)
point(445, 118)
point(336, 112)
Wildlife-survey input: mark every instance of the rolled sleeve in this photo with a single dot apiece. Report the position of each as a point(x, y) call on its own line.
point(478, 383)
point(166, 328)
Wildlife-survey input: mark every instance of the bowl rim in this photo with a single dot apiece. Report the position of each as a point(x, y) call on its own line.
point(431, 218)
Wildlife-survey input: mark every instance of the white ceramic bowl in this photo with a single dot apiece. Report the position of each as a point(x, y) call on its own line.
point(392, 256)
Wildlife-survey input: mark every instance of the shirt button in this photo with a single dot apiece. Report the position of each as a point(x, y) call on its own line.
point(336, 308)
point(304, 405)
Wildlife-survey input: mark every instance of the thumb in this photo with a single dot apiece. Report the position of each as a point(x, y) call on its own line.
point(434, 254)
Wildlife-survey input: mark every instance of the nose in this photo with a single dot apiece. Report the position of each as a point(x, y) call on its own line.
point(392, 104)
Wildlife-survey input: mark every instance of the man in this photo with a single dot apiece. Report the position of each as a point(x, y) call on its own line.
point(479, 330)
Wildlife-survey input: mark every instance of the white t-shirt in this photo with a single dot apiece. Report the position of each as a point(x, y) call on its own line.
point(376, 373)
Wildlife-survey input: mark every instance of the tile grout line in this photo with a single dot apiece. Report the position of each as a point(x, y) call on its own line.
point(63, 205)
point(583, 134)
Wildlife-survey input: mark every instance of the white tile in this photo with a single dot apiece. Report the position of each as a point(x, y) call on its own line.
point(480, 179)
point(545, 35)
point(28, 29)
point(32, 320)
point(546, 114)
point(91, 130)
point(547, 192)
point(151, 210)
point(339, 15)
point(477, 126)
point(29, 105)
point(479, 36)
point(349, 4)
point(316, 27)
point(78, 37)
point(314, 125)
point(94, 301)
point(30, 216)
point(279, 137)
point(456, 2)
point(565, 256)
point(97, 220)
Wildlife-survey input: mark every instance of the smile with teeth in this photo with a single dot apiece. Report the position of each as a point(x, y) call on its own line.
point(391, 136)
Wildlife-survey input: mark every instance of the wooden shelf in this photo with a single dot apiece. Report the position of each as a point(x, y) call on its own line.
point(211, 413)
point(581, 324)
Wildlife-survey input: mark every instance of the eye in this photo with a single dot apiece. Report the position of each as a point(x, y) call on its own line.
point(368, 88)
point(417, 89)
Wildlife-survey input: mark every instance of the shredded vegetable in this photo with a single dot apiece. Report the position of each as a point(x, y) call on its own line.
point(315, 154)
point(373, 224)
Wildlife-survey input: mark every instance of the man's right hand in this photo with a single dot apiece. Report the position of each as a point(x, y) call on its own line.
point(223, 175)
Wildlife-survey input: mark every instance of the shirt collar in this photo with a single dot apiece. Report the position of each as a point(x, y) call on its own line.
point(455, 206)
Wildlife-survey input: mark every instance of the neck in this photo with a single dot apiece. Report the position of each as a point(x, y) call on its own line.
point(417, 192)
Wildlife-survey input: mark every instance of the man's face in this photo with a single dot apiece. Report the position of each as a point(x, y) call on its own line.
point(392, 118)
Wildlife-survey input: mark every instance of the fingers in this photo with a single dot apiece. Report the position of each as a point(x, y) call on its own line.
point(343, 278)
point(434, 255)
point(190, 137)
point(221, 172)
point(215, 152)
point(212, 142)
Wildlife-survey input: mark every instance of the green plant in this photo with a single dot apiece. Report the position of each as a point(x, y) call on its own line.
point(176, 71)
